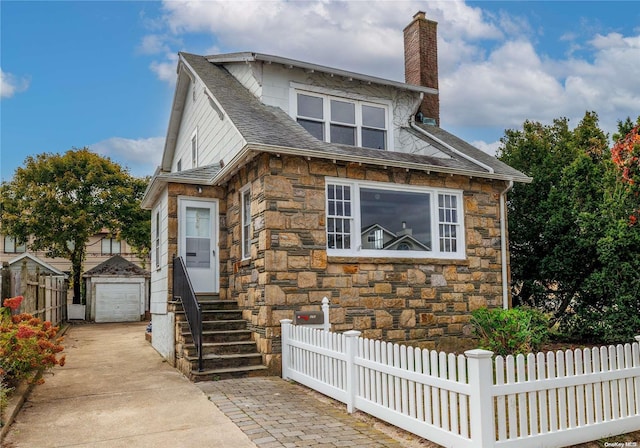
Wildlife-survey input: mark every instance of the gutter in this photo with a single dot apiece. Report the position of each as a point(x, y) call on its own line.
point(503, 244)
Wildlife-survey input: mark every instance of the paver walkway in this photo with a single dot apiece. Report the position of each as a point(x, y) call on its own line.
point(275, 413)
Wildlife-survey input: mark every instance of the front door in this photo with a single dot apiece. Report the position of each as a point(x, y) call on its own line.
point(198, 244)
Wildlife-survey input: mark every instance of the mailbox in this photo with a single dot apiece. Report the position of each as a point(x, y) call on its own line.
point(308, 318)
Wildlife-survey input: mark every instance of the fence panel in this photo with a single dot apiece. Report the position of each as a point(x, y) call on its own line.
point(553, 399)
point(568, 397)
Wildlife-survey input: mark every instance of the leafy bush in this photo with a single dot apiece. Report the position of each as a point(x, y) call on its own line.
point(27, 345)
point(512, 331)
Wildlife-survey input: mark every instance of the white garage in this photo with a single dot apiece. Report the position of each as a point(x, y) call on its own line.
point(117, 291)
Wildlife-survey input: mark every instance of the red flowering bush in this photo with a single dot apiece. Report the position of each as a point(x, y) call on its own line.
point(27, 345)
point(626, 156)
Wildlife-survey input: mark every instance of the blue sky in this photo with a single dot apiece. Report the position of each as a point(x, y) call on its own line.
point(101, 74)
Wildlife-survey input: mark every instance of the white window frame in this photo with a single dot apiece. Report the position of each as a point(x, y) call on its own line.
point(194, 149)
point(355, 225)
point(245, 225)
point(359, 100)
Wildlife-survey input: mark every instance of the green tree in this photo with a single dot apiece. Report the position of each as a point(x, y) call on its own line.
point(57, 201)
point(575, 251)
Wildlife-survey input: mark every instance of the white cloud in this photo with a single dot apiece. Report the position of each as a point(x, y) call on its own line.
point(492, 73)
point(141, 156)
point(489, 148)
point(11, 84)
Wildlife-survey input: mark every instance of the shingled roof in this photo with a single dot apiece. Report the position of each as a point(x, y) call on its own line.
point(266, 127)
point(117, 266)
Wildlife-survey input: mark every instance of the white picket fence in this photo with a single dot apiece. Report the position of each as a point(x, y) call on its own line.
point(545, 400)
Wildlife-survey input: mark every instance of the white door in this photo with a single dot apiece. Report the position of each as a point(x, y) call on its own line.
point(198, 244)
point(118, 302)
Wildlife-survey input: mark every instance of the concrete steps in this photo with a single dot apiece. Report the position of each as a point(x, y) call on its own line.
point(228, 348)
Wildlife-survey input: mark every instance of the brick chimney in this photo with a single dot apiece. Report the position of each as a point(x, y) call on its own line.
point(421, 61)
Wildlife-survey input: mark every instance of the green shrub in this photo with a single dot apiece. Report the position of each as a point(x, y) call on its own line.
point(512, 331)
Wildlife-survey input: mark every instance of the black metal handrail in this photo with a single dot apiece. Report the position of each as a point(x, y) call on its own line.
point(183, 289)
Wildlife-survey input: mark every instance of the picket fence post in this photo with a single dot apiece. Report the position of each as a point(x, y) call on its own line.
point(285, 325)
point(481, 409)
point(325, 311)
point(351, 374)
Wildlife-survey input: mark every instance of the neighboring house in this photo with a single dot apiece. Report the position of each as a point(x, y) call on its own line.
point(306, 181)
point(100, 247)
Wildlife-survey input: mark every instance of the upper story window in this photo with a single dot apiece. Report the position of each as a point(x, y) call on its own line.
point(343, 120)
point(110, 246)
point(11, 247)
point(376, 219)
point(157, 240)
point(194, 149)
point(245, 203)
point(179, 165)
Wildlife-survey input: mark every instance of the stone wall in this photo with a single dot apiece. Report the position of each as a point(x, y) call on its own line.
point(427, 301)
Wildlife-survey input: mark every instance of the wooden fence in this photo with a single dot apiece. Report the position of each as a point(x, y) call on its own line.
point(472, 400)
point(45, 296)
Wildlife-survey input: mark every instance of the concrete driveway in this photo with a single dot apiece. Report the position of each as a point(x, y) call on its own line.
point(116, 391)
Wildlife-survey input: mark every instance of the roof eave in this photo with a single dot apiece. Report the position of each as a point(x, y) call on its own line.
point(246, 153)
point(177, 109)
point(252, 57)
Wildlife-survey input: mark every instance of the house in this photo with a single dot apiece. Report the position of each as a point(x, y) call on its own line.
point(99, 248)
point(275, 175)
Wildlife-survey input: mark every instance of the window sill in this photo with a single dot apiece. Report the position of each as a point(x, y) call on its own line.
point(393, 260)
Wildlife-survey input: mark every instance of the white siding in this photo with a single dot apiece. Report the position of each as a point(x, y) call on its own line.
point(217, 139)
point(163, 335)
point(276, 91)
point(159, 276)
point(249, 75)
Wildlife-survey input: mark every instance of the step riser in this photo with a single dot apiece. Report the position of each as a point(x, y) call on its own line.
point(217, 338)
point(213, 316)
point(217, 325)
point(234, 349)
point(224, 363)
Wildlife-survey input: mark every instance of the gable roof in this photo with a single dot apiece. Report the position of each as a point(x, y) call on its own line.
point(117, 266)
point(38, 261)
point(267, 128)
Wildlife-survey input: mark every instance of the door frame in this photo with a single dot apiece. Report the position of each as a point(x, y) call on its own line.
point(214, 204)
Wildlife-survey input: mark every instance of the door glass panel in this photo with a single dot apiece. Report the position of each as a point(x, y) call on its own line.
point(198, 237)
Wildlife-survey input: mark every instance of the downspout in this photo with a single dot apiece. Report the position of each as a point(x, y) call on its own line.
point(503, 244)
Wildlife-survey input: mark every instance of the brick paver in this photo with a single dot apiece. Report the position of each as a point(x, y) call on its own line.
point(275, 413)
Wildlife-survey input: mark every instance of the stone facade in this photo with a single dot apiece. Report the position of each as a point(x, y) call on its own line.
point(427, 301)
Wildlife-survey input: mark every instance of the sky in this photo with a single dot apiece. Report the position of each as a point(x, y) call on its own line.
point(102, 74)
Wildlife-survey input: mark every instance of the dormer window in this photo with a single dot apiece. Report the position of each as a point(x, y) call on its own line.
point(346, 121)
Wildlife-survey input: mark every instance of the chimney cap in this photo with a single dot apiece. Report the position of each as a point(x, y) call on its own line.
point(420, 15)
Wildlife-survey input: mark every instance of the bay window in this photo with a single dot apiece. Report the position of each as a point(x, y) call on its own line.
point(388, 220)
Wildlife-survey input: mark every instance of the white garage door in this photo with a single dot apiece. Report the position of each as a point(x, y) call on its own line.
point(118, 302)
